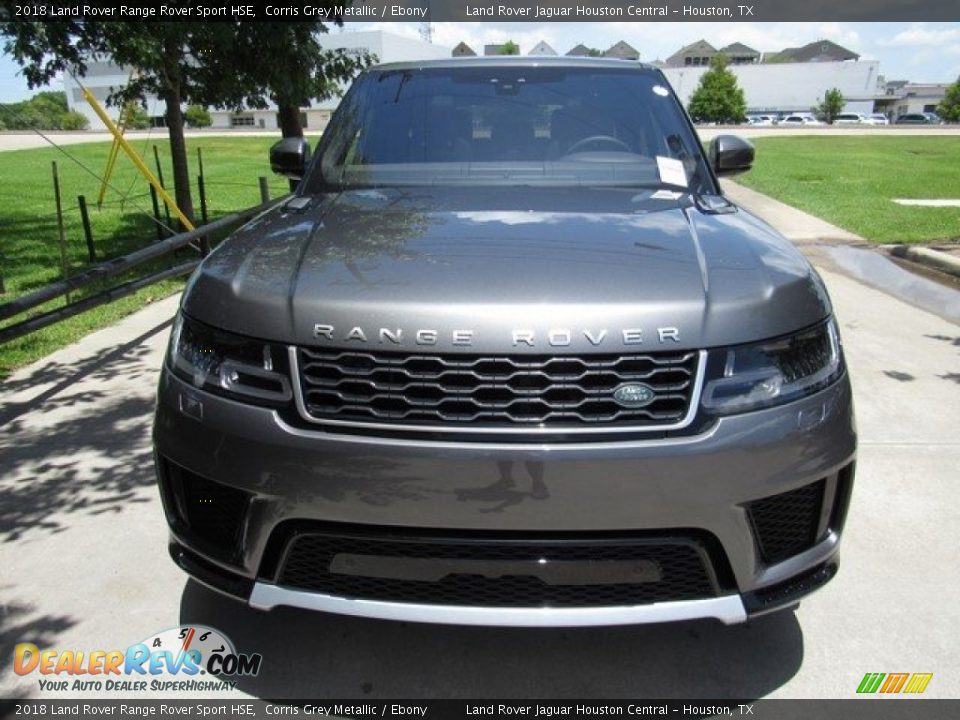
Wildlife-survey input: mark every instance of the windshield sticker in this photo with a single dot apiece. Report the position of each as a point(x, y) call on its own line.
point(665, 195)
point(660, 90)
point(671, 171)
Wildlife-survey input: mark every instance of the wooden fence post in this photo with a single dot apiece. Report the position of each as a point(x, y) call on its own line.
point(264, 190)
point(87, 234)
point(156, 159)
point(202, 190)
point(60, 229)
point(158, 224)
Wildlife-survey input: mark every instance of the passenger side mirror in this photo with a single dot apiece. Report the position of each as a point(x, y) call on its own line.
point(731, 154)
point(290, 157)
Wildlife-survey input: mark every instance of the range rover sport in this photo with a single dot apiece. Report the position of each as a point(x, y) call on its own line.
point(507, 356)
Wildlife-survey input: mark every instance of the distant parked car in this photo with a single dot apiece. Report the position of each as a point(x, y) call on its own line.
point(761, 120)
point(934, 118)
point(917, 119)
point(878, 119)
point(800, 120)
point(850, 119)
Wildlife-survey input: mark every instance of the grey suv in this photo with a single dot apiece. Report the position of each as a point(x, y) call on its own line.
point(508, 356)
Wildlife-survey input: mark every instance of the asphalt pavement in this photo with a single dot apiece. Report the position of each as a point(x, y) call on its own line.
point(84, 565)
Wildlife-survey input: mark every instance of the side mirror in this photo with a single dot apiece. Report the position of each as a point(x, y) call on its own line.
point(731, 154)
point(290, 157)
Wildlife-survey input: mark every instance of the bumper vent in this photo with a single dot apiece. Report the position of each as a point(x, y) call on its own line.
point(498, 391)
point(787, 524)
point(498, 573)
point(208, 512)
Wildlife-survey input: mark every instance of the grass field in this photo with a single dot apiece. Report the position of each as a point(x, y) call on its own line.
point(29, 249)
point(850, 181)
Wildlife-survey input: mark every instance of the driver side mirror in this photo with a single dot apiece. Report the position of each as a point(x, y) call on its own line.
point(290, 157)
point(731, 154)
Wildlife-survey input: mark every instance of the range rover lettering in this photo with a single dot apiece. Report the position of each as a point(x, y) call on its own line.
point(508, 356)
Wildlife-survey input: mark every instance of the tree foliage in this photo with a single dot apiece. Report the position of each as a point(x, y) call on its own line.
point(831, 106)
point(137, 117)
point(74, 120)
point(949, 107)
point(284, 63)
point(197, 116)
point(718, 98)
point(509, 48)
point(44, 111)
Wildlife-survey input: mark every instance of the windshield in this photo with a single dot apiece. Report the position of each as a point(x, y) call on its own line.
point(510, 125)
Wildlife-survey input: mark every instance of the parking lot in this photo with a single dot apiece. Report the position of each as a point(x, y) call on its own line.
point(85, 565)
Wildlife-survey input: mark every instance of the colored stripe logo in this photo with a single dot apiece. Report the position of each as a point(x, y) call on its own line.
point(892, 683)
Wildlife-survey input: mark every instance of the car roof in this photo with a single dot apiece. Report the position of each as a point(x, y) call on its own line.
point(514, 61)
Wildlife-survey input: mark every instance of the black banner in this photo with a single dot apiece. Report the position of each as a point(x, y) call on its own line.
point(485, 11)
point(866, 709)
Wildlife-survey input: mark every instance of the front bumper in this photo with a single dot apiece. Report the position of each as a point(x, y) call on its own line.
point(706, 486)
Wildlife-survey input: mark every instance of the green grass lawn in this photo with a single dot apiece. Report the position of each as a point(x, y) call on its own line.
point(29, 249)
point(850, 181)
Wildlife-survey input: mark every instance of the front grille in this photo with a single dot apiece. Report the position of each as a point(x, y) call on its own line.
point(786, 524)
point(681, 570)
point(494, 390)
point(208, 511)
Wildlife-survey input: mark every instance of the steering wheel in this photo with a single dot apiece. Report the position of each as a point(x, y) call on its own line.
point(598, 139)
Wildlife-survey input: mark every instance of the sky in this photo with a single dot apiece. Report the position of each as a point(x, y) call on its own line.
point(921, 52)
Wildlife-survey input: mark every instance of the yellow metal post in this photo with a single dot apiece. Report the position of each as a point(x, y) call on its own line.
point(134, 158)
point(112, 157)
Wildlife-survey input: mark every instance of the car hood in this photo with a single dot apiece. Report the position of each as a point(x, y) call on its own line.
point(507, 270)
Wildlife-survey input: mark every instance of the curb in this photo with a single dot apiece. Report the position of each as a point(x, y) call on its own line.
point(931, 258)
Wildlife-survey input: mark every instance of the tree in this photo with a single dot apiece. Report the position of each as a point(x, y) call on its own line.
point(509, 48)
point(197, 116)
point(284, 63)
point(831, 106)
point(718, 98)
point(594, 52)
point(169, 58)
point(949, 107)
point(73, 120)
point(44, 111)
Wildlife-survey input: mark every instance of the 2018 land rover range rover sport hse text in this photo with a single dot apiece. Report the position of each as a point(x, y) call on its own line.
point(508, 356)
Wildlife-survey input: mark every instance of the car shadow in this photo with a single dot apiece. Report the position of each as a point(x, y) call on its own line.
point(319, 655)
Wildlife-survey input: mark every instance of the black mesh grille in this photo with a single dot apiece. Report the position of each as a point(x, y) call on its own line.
point(211, 512)
point(682, 569)
point(786, 524)
point(501, 390)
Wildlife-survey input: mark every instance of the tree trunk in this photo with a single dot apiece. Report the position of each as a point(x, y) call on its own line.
point(178, 151)
point(289, 120)
point(289, 116)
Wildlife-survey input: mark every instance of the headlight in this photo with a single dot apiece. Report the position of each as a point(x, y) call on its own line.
point(228, 364)
point(748, 377)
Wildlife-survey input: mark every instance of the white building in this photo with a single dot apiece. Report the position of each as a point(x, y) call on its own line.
point(542, 49)
point(791, 87)
point(101, 77)
point(387, 47)
point(919, 98)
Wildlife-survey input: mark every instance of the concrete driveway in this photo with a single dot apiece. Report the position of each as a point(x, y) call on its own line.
point(84, 563)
